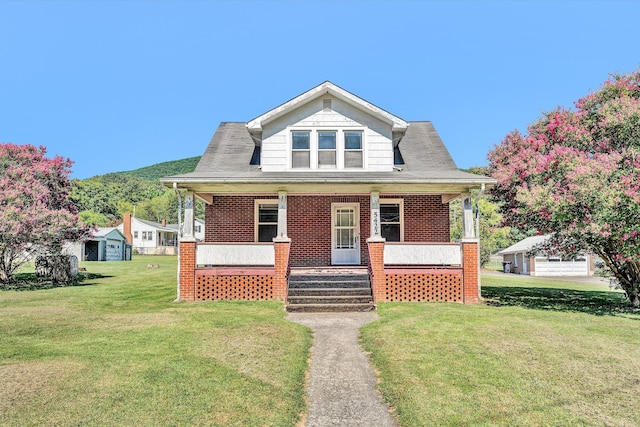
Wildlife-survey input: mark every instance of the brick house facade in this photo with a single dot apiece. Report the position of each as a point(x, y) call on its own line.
point(328, 179)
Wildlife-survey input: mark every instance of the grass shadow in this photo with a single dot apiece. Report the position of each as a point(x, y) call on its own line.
point(31, 282)
point(598, 303)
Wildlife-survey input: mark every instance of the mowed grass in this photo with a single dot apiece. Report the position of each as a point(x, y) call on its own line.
point(538, 353)
point(118, 350)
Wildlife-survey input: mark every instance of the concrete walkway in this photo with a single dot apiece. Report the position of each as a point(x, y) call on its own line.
point(342, 384)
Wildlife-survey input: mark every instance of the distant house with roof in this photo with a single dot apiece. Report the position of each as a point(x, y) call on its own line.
point(105, 244)
point(518, 259)
point(148, 237)
point(328, 182)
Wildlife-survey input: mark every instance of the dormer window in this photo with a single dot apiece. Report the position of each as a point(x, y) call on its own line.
point(353, 149)
point(300, 149)
point(326, 149)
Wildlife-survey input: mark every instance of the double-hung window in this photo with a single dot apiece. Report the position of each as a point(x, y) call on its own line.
point(353, 149)
point(300, 149)
point(326, 149)
point(391, 220)
point(266, 220)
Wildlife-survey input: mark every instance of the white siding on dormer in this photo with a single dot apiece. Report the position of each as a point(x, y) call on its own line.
point(276, 135)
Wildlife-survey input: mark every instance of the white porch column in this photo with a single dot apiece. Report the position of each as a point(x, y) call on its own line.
point(375, 232)
point(188, 226)
point(467, 217)
point(282, 215)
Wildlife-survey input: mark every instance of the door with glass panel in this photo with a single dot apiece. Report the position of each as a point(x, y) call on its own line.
point(345, 234)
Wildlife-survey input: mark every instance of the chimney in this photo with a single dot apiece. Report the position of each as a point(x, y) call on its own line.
point(164, 222)
point(127, 228)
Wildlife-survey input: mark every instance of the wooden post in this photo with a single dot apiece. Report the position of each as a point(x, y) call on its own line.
point(282, 215)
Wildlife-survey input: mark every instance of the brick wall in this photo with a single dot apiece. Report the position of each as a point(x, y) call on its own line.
point(231, 219)
point(426, 218)
point(187, 271)
point(470, 272)
point(376, 271)
point(309, 227)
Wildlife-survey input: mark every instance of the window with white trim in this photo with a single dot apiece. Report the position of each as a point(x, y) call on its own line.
point(326, 149)
point(353, 149)
point(391, 219)
point(300, 149)
point(266, 213)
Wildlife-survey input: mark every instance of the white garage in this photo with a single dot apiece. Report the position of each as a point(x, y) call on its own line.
point(106, 244)
point(515, 259)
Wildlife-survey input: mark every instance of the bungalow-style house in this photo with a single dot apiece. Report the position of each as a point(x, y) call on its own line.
point(517, 259)
point(328, 190)
point(148, 237)
point(105, 244)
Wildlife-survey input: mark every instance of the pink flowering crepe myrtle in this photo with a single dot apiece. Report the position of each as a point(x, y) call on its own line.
point(576, 175)
point(35, 211)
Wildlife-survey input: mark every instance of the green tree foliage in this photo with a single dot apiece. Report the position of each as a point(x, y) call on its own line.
point(576, 174)
point(161, 170)
point(493, 236)
point(103, 200)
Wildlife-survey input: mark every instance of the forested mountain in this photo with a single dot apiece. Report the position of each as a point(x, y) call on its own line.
point(103, 200)
point(160, 170)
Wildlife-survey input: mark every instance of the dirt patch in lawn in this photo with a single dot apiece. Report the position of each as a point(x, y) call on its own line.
point(22, 382)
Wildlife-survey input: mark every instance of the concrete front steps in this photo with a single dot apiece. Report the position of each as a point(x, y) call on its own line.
point(329, 289)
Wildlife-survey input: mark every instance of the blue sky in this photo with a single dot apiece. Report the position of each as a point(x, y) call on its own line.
point(118, 85)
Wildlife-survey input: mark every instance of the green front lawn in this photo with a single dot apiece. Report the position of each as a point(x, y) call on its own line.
point(117, 350)
point(539, 353)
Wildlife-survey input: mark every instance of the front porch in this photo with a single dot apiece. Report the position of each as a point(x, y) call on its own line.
point(398, 271)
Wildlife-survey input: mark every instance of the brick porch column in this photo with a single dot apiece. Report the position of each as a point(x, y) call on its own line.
point(187, 270)
point(376, 269)
point(470, 264)
point(281, 247)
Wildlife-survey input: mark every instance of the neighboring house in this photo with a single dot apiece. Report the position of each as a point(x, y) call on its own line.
point(198, 229)
point(105, 244)
point(330, 182)
point(516, 259)
point(148, 237)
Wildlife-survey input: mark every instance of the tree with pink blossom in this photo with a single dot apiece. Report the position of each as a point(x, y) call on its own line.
point(36, 216)
point(576, 174)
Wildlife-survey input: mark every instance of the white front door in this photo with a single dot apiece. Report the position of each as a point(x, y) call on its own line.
point(345, 233)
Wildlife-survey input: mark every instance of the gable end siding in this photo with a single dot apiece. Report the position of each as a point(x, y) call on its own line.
point(378, 148)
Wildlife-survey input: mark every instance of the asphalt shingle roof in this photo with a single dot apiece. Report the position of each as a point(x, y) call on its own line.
point(228, 157)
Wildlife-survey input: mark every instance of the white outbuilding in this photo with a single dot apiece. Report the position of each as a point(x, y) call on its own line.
point(105, 244)
point(516, 259)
